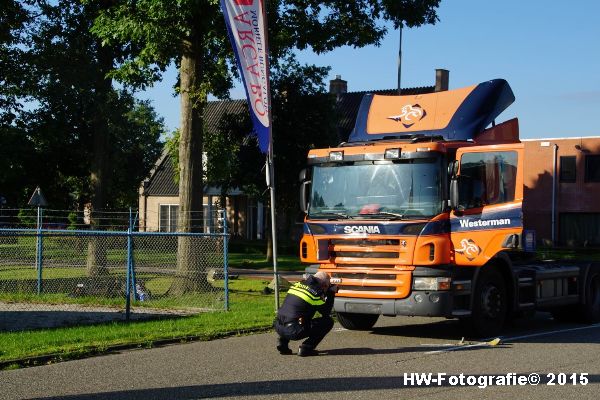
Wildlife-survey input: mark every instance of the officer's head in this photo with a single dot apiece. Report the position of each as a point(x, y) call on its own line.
point(323, 279)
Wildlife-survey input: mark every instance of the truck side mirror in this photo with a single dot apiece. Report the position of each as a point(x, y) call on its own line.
point(304, 195)
point(453, 169)
point(454, 201)
point(303, 175)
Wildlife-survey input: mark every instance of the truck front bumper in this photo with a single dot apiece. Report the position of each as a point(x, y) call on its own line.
point(418, 303)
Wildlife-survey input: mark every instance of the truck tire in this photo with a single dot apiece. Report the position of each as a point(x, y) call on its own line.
point(357, 322)
point(591, 308)
point(490, 304)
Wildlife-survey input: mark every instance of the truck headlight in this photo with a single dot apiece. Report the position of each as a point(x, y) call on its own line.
point(436, 283)
point(392, 153)
point(336, 156)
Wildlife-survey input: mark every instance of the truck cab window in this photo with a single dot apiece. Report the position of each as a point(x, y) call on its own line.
point(487, 178)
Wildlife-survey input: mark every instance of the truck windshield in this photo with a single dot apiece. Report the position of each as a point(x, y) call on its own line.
point(377, 189)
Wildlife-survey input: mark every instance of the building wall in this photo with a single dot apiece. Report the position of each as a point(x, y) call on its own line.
point(243, 214)
point(572, 198)
point(149, 211)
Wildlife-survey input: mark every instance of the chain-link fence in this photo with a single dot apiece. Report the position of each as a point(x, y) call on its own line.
point(96, 273)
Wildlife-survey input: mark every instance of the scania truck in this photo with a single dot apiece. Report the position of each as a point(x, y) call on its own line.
point(420, 214)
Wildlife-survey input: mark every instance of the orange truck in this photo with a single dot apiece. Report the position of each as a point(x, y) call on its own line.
point(420, 214)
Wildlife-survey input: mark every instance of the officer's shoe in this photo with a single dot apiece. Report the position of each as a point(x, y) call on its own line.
point(284, 350)
point(307, 352)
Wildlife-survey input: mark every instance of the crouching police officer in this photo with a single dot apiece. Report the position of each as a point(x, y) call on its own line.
point(295, 317)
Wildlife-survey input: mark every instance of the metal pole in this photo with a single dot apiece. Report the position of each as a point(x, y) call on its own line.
point(271, 182)
point(225, 258)
point(128, 272)
point(39, 248)
point(554, 156)
point(400, 60)
point(132, 227)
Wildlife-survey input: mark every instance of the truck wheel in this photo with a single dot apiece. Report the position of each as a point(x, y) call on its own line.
point(591, 308)
point(357, 322)
point(489, 304)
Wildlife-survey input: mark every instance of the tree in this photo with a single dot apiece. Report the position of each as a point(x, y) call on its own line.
point(83, 129)
point(191, 34)
point(15, 146)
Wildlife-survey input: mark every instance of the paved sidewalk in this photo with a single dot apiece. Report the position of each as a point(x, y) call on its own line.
point(27, 316)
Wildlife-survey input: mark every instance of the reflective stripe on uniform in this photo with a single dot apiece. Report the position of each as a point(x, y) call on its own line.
point(306, 296)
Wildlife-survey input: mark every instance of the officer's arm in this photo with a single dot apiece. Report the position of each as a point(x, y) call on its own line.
point(326, 308)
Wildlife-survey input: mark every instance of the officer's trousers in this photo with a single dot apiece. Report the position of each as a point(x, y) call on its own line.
point(314, 331)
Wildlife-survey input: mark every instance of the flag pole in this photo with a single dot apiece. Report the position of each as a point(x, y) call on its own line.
point(271, 165)
point(271, 180)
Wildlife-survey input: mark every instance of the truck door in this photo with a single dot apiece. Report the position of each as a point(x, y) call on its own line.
point(488, 217)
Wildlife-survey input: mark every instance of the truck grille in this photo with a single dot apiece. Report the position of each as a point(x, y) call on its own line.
point(369, 266)
point(369, 288)
point(361, 276)
point(371, 254)
point(366, 242)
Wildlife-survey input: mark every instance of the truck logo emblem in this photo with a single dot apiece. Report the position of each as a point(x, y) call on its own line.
point(469, 249)
point(362, 229)
point(410, 114)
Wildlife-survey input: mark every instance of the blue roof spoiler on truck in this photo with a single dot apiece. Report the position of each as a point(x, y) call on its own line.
point(459, 114)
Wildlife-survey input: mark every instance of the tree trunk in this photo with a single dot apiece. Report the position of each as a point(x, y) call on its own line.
point(99, 177)
point(191, 268)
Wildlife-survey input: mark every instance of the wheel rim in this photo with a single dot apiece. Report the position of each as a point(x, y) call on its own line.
point(491, 302)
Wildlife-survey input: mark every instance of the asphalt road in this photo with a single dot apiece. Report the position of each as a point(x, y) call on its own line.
point(357, 365)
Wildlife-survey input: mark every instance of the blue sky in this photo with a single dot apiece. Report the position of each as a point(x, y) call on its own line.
point(549, 51)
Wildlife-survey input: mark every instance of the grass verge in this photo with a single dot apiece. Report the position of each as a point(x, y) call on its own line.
point(250, 311)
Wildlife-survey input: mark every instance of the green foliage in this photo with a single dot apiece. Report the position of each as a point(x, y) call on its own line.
point(74, 221)
point(14, 71)
point(27, 218)
point(157, 32)
point(53, 64)
point(172, 144)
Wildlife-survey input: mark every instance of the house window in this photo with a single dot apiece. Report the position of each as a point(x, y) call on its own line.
point(568, 169)
point(592, 168)
point(168, 217)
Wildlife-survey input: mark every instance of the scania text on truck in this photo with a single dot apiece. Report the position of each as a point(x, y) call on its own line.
point(420, 214)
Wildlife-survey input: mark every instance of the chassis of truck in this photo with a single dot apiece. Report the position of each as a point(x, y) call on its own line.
point(420, 214)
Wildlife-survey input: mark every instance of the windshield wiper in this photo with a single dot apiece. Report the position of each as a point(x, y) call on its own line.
point(329, 215)
point(393, 216)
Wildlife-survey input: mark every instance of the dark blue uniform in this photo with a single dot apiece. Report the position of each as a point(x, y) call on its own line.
point(295, 317)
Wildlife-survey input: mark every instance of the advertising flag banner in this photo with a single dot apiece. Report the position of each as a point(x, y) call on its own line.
point(247, 29)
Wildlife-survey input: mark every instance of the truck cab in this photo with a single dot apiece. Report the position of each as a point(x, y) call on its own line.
point(420, 212)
